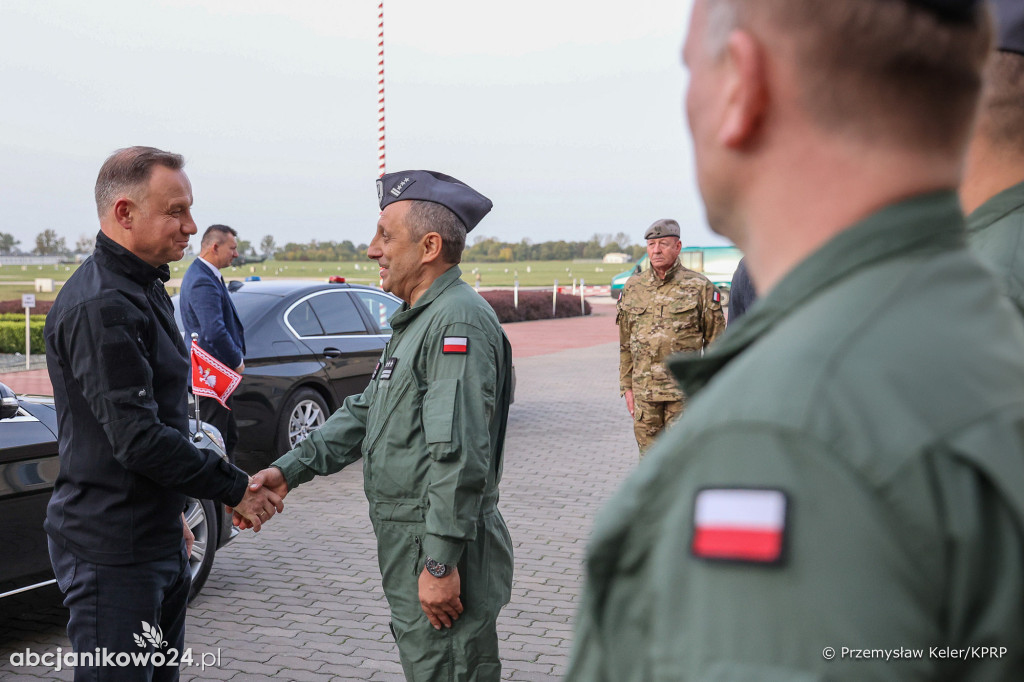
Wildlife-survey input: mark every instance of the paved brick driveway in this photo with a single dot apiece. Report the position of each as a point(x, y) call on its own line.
point(302, 599)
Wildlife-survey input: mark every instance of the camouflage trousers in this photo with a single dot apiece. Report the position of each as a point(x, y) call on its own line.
point(650, 417)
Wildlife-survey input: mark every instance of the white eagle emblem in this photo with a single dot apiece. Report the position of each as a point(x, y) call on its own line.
point(208, 379)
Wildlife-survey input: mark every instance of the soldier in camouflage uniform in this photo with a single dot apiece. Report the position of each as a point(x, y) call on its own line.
point(666, 309)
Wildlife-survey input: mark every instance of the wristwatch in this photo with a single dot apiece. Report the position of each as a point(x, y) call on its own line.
point(436, 569)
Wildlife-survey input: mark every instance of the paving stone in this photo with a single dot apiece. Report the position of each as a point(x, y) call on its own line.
point(301, 600)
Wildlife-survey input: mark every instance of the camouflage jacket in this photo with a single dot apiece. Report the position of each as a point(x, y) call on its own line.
point(657, 318)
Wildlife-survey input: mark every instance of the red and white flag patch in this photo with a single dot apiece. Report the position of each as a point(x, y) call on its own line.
point(739, 524)
point(717, 296)
point(456, 344)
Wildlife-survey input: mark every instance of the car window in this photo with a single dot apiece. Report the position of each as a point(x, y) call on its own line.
point(304, 321)
point(337, 314)
point(380, 308)
point(251, 307)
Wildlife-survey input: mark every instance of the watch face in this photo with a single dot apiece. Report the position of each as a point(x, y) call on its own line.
point(435, 569)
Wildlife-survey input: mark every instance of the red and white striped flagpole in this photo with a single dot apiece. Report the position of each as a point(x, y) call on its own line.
point(380, 93)
point(380, 98)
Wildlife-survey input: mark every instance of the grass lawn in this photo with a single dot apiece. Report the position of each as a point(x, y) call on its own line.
point(16, 280)
point(530, 273)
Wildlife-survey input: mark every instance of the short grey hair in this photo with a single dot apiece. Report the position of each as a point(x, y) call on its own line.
point(128, 169)
point(893, 72)
point(427, 216)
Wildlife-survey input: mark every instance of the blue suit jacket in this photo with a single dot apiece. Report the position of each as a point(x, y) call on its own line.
point(206, 309)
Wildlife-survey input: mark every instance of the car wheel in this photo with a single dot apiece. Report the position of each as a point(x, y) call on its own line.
point(304, 413)
point(201, 517)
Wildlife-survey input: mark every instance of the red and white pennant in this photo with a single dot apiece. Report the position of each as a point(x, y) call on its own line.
point(211, 378)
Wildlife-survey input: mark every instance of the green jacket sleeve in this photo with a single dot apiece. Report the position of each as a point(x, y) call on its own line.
point(333, 446)
point(869, 561)
point(458, 409)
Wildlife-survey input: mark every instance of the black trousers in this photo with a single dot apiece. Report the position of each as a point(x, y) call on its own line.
point(132, 610)
point(214, 413)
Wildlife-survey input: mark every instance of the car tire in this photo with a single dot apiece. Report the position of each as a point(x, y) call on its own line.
point(201, 516)
point(304, 412)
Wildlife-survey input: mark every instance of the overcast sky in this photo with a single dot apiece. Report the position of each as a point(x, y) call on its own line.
point(568, 115)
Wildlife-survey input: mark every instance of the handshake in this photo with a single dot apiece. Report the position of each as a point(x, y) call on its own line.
point(262, 499)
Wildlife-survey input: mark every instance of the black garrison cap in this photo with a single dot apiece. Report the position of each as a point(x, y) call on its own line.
point(458, 197)
point(951, 10)
point(1009, 25)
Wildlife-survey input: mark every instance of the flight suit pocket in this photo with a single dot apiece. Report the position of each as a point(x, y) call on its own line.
point(439, 417)
point(383, 407)
point(419, 559)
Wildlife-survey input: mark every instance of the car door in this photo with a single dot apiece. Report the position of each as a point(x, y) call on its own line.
point(345, 343)
point(28, 469)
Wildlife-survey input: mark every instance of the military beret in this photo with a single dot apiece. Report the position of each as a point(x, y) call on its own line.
point(666, 227)
point(1009, 25)
point(952, 10)
point(420, 185)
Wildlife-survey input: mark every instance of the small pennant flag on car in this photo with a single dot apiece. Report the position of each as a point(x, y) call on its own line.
point(211, 378)
point(456, 344)
point(739, 524)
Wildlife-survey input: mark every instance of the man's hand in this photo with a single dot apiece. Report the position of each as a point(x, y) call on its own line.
point(439, 598)
point(271, 481)
point(258, 505)
point(629, 400)
point(240, 368)
point(186, 532)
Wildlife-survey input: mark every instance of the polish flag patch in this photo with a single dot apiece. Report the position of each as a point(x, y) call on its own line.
point(739, 524)
point(456, 344)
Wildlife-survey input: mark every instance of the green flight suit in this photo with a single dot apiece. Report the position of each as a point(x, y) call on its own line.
point(995, 233)
point(880, 388)
point(430, 428)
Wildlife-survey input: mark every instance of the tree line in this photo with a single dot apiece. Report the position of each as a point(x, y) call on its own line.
point(491, 250)
point(48, 243)
point(482, 250)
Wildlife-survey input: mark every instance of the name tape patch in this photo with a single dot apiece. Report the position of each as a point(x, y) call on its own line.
point(456, 344)
point(745, 525)
point(389, 368)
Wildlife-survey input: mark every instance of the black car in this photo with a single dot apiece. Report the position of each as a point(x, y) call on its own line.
point(28, 470)
point(309, 345)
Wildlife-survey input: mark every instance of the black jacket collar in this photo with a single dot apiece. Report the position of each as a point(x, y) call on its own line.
point(113, 256)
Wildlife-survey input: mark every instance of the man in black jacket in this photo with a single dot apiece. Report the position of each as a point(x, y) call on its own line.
point(119, 369)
